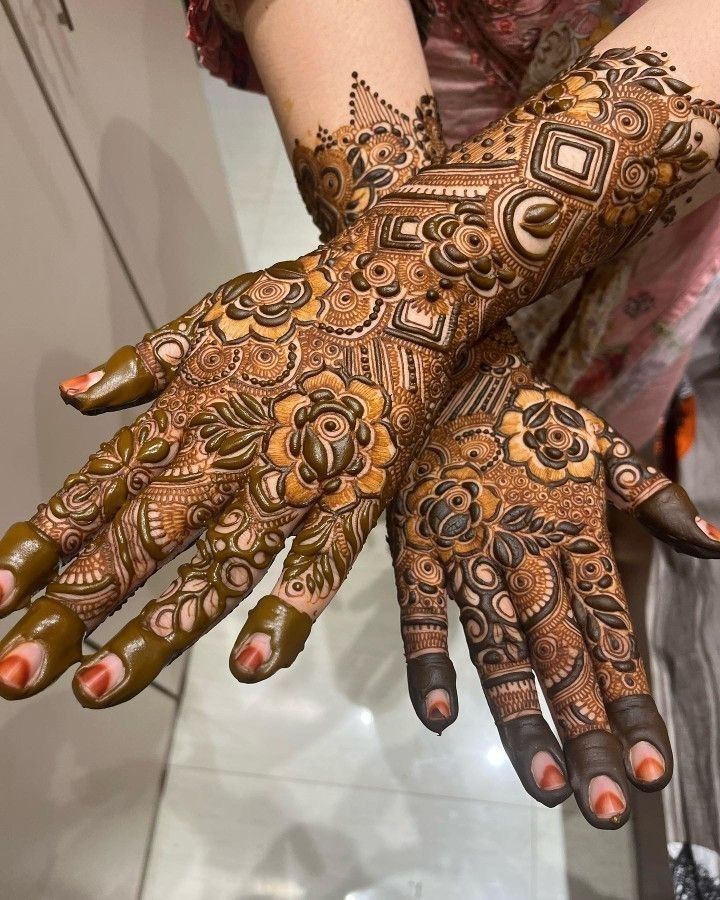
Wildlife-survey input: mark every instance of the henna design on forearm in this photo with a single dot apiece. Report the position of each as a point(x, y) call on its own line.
point(350, 169)
point(309, 387)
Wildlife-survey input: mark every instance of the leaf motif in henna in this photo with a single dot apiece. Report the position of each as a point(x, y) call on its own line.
point(230, 429)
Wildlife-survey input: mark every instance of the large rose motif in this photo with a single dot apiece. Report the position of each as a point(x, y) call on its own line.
point(330, 440)
point(267, 305)
point(451, 509)
point(552, 437)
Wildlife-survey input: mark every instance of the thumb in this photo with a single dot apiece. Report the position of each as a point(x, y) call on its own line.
point(135, 375)
point(659, 504)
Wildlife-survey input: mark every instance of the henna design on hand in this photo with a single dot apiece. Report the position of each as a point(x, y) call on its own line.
point(298, 396)
point(504, 511)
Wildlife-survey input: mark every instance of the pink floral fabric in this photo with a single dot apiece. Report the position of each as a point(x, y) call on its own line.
point(620, 339)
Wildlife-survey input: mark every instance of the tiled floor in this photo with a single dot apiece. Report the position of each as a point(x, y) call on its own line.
point(321, 783)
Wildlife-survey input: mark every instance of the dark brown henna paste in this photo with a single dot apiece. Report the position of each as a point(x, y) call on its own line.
point(311, 386)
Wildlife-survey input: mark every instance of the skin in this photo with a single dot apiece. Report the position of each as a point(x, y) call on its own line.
point(504, 512)
point(293, 444)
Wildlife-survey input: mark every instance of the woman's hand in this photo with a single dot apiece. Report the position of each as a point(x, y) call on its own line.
point(293, 400)
point(289, 401)
point(504, 511)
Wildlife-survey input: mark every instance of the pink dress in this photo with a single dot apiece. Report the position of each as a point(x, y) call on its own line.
point(619, 339)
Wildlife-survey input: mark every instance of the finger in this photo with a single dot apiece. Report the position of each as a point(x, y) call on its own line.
point(420, 582)
point(499, 650)
point(135, 375)
point(320, 558)
point(30, 552)
point(662, 506)
point(602, 612)
point(593, 755)
point(671, 516)
point(230, 559)
point(145, 533)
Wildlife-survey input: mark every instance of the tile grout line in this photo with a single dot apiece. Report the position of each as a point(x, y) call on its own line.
point(338, 784)
point(162, 781)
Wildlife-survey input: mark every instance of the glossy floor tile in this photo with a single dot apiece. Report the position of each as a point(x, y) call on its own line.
point(235, 836)
point(572, 861)
point(79, 793)
point(341, 714)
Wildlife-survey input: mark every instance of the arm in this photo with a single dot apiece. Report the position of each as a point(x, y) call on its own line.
point(293, 400)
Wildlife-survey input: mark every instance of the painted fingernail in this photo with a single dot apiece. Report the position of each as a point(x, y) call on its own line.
point(100, 677)
point(712, 531)
point(547, 773)
point(81, 383)
point(437, 704)
point(254, 652)
point(20, 666)
point(647, 762)
point(7, 587)
point(606, 797)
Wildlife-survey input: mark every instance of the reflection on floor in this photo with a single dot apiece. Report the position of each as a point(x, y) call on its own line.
point(321, 783)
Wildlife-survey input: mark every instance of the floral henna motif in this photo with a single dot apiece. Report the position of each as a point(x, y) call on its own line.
point(311, 386)
point(503, 497)
point(504, 510)
point(380, 148)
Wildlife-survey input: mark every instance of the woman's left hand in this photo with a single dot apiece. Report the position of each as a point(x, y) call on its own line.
point(504, 511)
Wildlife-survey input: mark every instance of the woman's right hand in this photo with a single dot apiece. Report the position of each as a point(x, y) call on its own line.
point(504, 512)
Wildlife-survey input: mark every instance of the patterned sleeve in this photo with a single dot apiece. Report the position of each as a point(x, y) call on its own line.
point(221, 47)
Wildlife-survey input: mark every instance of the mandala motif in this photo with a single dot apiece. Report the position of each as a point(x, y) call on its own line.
point(552, 437)
point(267, 305)
point(332, 440)
point(453, 507)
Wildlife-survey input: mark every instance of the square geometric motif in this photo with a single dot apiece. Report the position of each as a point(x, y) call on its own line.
point(572, 159)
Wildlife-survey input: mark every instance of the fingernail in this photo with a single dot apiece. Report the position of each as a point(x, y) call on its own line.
point(81, 383)
point(7, 587)
point(547, 773)
point(606, 797)
point(20, 666)
point(437, 704)
point(254, 652)
point(100, 677)
point(712, 531)
point(647, 762)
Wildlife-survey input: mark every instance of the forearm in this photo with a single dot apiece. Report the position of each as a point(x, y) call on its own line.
point(594, 163)
point(356, 114)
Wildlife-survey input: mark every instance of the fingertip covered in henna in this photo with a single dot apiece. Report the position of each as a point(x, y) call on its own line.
point(123, 668)
point(597, 774)
point(122, 381)
point(272, 638)
point(648, 753)
point(41, 646)
point(431, 683)
point(28, 561)
point(671, 516)
point(535, 754)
